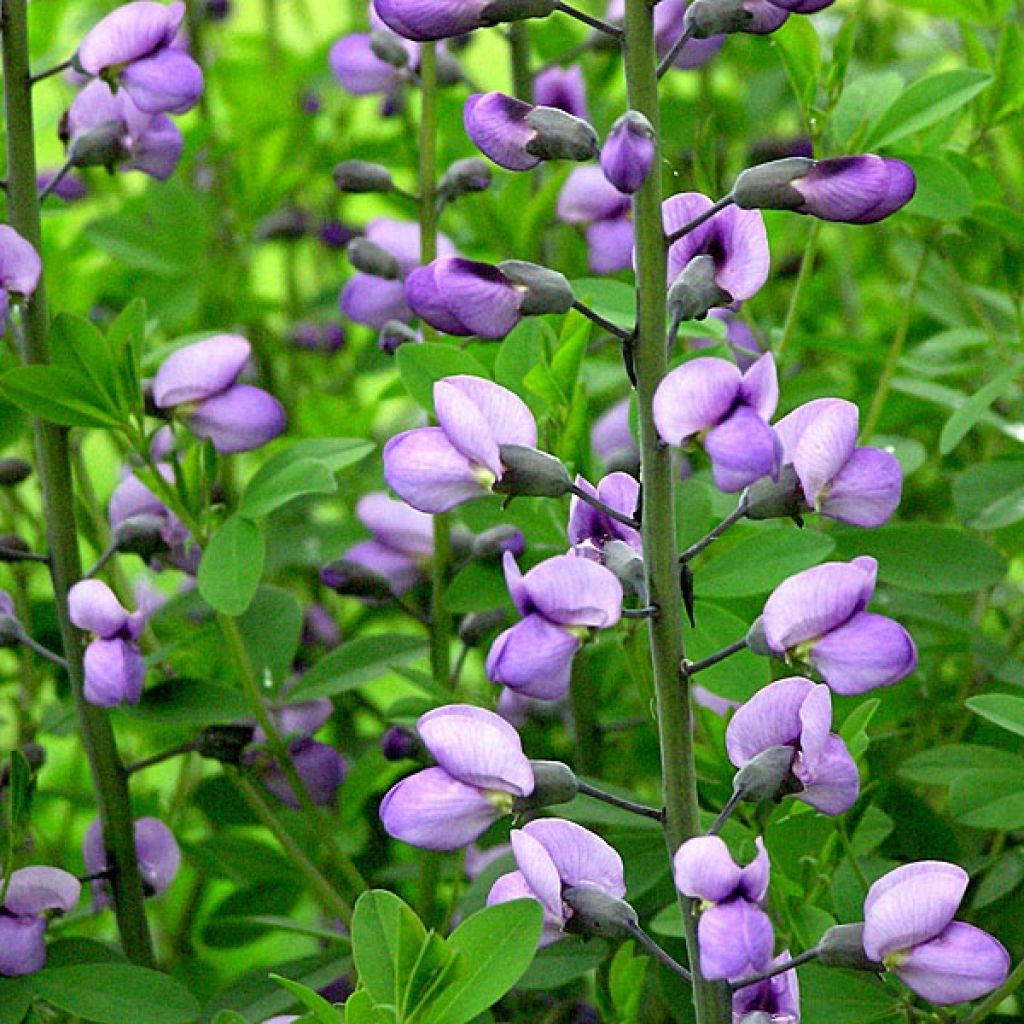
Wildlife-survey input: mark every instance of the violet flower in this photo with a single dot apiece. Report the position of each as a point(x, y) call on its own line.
point(481, 770)
point(563, 89)
point(156, 851)
point(133, 47)
point(464, 297)
point(855, 189)
point(70, 188)
point(359, 71)
point(30, 893)
point(668, 23)
point(860, 486)
point(199, 383)
point(817, 618)
point(132, 501)
point(375, 300)
point(590, 528)
point(628, 152)
point(561, 600)
point(797, 713)
point(729, 410)
point(590, 200)
point(425, 22)
point(436, 468)
point(909, 927)
point(20, 268)
point(114, 669)
point(734, 934)
point(320, 767)
point(778, 997)
point(553, 855)
point(612, 440)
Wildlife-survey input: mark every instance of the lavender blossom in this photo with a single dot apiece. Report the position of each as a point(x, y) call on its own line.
point(320, 767)
point(445, 19)
point(590, 529)
point(668, 23)
point(589, 199)
point(28, 895)
point(360, 72)
point(463, 297)
point(730, 410)
point(20, 268)
point(778, 997)
point(797, 713)
point(909, 927)
point(481, 770)
point(561, 601)
point(612, 440)
point(563, 89)
point(817, 618)
point(156, 851)
point(134, 503)
point(628, 152)
point(70, 188)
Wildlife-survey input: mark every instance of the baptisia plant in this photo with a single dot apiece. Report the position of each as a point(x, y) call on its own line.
point(20, 268)
point(156, 849)
point(29, 896)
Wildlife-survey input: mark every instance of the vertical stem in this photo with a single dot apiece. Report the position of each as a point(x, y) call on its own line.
point(583, 698)
point(272, 27)
point(519, 52)
point(675, 728)
point(806, 264)
point(97, 736)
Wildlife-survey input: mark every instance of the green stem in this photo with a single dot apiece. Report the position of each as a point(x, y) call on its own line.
point(806, 265)
point(519, 56)
point(97, 736)
point(583, 699)
point(675, 727)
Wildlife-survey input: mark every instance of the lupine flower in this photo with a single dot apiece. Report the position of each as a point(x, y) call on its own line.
point(336, 234)
point(403, 541)
point(860, 486)
point(563, 89)
point(628, 152)
point(360, 71)
point(156, 850)
point(320, 767)
point(481, 770)
point(909, 927)
point(20, 268)
point(588, 198)
point(30, 893)
point(463, 297)
point(856, 189)
point(373, 300)
point(817, 617)
point(668, 23)
point(436, 468)
point(733, 243)
point(734, 934)
point(114, 669)
point(70, 188)
point(797, 713)
point(132, 47)
point(612, 440)
point(439, 20)
point(517, 135)
point(199, 383)
point(561, 600)
point(590, 528)
point(778, 997)
point(730, 410)
point(553, 855)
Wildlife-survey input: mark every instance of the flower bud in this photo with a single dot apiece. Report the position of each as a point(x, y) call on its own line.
point(13, 471)
point(11, 631)
point(386, 46)
point(530, 473)
point(767, 186)
point(140, 535)
point(449, 70)
point(463, 177)
point(393, 335)
point(546, 291)
point(553, 783)
point(765, 776)
point(102, 146)
point(756, 639)
point(224, 743)
point(622, 559)
point(287, 225)
point(476, 626)
point(13, 545)
point(694, 292)
point(399, 745)
point(628, 153)
point(353, 580)
point(843, 946)
point(491, 545)
point(595, 913)
point(706, 18)
point(358, 176)
point(560, 136)
point(498, 11)
point(372, 259)
point(777, 499)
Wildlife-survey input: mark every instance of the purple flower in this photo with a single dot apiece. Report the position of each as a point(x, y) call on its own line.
point(860, 486)
point(403, 540)
point(553, 855)
point(735, 245)
point(320, 767)
point(108, 129)
point(778, 997)
point(436, 468)
point(360, 71)
point(481, 770)
point(114, 669)
point(133, 47)
point(373, 300)
point(590, 529)
point(710, 397)
point(909, 927)
point(423, 22)
point(20, 268)
point(156, 850)
point(199, 383)
point(133, 500)
point(611, 438)
point(30, 893)
point(563, 89)
point(561, 600)
point(797, 713)
point(734, 934)
point(668, 23)
point(629, 151)
point(70, 188)
point(463, 297)
point(817, 617)
point(855, 189)
point(319, 628)
point(317, 337)
point(588, 198)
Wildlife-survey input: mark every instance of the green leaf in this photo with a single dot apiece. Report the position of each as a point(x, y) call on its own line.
point(863, 101)
point(1007, 95)
point(57, 395)
point(359, 661)
point(232, 565)
point(421, 366)
point(926, 102)
point(477, 588)
point(626, 982)
point(964, 419)
point(16, 996)
point(386, 941)
point(321, 1009)
point(360, 1009)
point(523, 349)
point(845, 997)
point(79, 346)
point(336, 453)
point(125, 339)
point(943, 193)
point(562, 962)
point(193, 702)
point(761, 562)
point(940, 766)
point(272, 630)
point(990, 800)
point(497, 945)
point(229, 1017)
point(1001, 709)
point(268, 492)
point(117, 994)
point(800, 48)
point(985, 494)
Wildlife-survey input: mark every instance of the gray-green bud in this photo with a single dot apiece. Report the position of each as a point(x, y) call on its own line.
point(618, 557)
point(102, 146)
point(545, 290)
point(777, 499)
point(530, 473)
point(224, 743)
point(463, 177)
point(14, 471)
point(371, 259)
point(843, 946)
point(353, 580)
point(765, 777)
point(476, 626)
point(491, 545)
point(12, 546)
point(11, 631)
point(140, 535)
point(596, 913)
point(767, 186)
point(553, 783)
point(359, 176)
point(706, 18)
point(695, 292)
point(386, 46)
point(499, 11)
point(560, 136)
point(757, 641)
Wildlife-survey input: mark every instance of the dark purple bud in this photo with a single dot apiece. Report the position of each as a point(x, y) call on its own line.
point(629, 151)
point(393, 335)
point(398, 745)
point(338, 990)
point(310, 103)
point(14, 471)
point(321, 769)
point(463, 177)
point(544, 290)
point(358, 176)
point(336, 235)
point(353, 580)
point(225, 743)
point(531, 473)
point(218, 10)
point(13, 545)
point(371, 259)
point(315, 337)
point(286, 225)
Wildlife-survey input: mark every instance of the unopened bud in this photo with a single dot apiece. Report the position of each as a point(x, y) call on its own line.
point(358, 176)
point(393, 335)
point(560, 136)
point(553, 783)
point(706, 18)
point(13, 471)
point(11, 546)
point(449, 70)
point(464, 176)
point(843, 946)
point(477, 626)
point(530, 473)
point(287, 225)
point(386, 46)
point(595, 913)
point(757, 642)
point(546, 291)
point(399, 745)
point(767, 186)
point(11, 631)
point(140, 535)
point(765, 777)
point(371, 259)
point(102, 146)
point(491, 545)
point(225, 743)
point(621, 559)
point(777, 499)
point(695, 292)
point(350, 579)
point(498, 11)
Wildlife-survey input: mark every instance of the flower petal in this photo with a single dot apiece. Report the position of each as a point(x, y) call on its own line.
point(742, 256)
point(93, 606)
point(580, 856)
point(465, 427)
point(533, 657)
point(424, 297)
point(37, 889)
point(423, 468)
point(128, 33)
point(497, 125)
point(399, 570)
point(240, 419)
point(158, 853)
point(697, 395)
point(114, 673)
point(507, 416)
point(588, 196)
point(22, 947)
point(866, 652)
point(169, 82)
point(760, 386)
point(20, 265)
point(833, 785)
point(866, 491)
point(703, 869)
point(573, 591)
point(479, 296)
point(397, 525)
point(539, 871)
point(358, 70)
point(754, 877)
point(735, 940)
point(771, 718)
point(610, 245)
point(825, 446)
point(676, 212)
point(742, 449)
point(374, 301)
point(201, 370)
